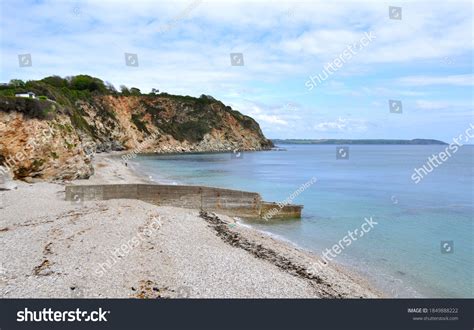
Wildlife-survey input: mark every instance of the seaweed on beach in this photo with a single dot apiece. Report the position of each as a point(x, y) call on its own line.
point(261, 252)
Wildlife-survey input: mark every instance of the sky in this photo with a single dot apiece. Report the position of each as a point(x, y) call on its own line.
point(364, 54)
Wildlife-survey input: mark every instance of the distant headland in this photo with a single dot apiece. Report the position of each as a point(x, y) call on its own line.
point(359, 141)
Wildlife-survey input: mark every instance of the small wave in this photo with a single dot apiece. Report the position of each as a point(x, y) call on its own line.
point(276, 236)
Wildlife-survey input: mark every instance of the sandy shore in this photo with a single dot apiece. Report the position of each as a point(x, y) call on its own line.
point(52, 248)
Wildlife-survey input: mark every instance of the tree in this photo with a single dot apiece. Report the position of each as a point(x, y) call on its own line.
point(85, 82)
point(154, 91)
point(135, 91)
point(17, 83)
point(56, 81)
point(209, 97)
point(110, 87)
point(124, 90)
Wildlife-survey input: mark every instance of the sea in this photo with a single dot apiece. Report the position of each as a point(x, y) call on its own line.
point(420, 243)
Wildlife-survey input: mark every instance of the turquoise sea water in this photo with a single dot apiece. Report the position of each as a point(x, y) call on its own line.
point(402, 254)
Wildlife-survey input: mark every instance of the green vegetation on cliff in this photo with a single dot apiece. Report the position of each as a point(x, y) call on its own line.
point(83, 115)
point(191, 120)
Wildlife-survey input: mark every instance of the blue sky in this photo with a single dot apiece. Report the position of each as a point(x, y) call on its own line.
point(423, 60)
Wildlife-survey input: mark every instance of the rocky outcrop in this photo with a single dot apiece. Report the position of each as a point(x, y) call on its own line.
point(54, 139)
point(40, 149)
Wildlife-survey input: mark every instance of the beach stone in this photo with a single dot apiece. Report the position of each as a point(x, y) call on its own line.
point(6, 182)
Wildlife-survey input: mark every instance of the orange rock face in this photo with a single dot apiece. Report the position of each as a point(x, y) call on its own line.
point(61, 146)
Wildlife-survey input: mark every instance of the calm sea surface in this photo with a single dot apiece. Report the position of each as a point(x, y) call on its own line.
point(402, 254)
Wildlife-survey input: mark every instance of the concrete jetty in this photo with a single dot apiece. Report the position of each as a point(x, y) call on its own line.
point(225, 201)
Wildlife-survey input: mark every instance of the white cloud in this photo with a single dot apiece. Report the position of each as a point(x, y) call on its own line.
point(260, 115)
point(270, 119)
point(342, 125)
point(280, 51)
point(454, 80)
point(438, 105)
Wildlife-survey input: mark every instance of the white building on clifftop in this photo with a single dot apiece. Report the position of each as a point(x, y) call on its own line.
point(30, 95)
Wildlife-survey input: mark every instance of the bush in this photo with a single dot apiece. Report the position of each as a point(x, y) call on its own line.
point(17, 83)
point(79, 122)
point(29, 107)
point(135, 91)
point(136, 119)
point(7, 92)
point(56, 81)
point(111, 88)
point(85, 82)
point(124, 90)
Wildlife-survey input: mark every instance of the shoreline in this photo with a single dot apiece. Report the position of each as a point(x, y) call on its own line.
point(337, 266)
point(340, 267)
point(68, 244)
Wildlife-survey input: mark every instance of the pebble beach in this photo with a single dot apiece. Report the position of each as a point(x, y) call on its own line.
point(52, 248)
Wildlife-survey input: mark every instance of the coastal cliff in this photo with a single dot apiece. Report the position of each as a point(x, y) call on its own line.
point(53, 135)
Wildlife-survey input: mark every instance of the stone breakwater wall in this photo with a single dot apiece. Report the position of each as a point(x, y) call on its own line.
point(225, 201)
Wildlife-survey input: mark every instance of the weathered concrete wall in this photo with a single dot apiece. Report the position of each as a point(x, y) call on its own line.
point(275, 211)
point(227, 201)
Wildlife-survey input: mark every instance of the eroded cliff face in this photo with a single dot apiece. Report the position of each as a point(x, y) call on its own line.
point(60, 145)
point(39, 149)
